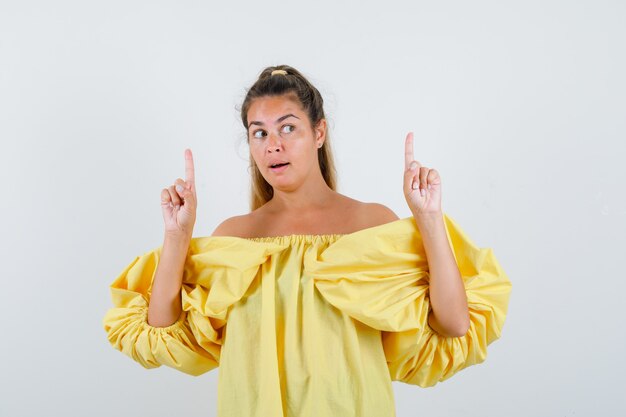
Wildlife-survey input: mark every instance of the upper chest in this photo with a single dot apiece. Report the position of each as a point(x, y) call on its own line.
point(340, 220)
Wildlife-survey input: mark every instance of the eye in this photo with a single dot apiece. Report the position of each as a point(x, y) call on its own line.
point(254, 134)
point(289, 126)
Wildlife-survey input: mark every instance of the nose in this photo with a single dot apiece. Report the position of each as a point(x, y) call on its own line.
point(273, 143)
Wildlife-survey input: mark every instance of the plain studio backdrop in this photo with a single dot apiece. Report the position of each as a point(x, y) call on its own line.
point(520, 106)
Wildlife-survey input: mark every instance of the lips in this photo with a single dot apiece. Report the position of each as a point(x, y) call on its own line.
point(277, 164)
point(279, 167)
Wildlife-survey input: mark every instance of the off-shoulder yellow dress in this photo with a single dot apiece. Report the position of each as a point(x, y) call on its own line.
point(310, 325)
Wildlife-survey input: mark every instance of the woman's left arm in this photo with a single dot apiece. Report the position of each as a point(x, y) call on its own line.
point(450, 313)
point(422, 190)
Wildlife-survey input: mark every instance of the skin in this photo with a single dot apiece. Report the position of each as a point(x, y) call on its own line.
point(448, 300)
point(304, 204)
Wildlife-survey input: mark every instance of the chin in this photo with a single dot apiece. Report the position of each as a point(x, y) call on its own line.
point(285, 186)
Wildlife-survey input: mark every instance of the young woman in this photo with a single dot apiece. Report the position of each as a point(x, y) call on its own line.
point(312, 303)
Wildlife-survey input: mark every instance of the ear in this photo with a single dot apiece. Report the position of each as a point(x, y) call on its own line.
point(320, 132)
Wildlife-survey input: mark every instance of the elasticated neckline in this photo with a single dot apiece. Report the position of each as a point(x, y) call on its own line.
point(297, 238)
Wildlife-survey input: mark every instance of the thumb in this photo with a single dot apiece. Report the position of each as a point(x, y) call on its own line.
point(186, 193)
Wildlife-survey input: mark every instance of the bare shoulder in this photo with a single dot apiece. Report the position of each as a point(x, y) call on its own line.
point(376, 214)
point(236, 226)
point(369, 214)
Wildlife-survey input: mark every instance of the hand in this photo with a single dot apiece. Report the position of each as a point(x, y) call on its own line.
point(178, 202)
point(422, 185)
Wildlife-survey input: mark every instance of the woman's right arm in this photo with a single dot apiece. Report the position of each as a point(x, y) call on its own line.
point(178, 203)
point(164, 306)
point(147, 322)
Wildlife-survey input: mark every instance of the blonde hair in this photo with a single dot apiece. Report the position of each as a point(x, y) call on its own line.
point(284, 80)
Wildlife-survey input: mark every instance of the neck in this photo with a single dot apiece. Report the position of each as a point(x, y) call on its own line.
point(311, 196)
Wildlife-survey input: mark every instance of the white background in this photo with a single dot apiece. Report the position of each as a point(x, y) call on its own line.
point(519, 105)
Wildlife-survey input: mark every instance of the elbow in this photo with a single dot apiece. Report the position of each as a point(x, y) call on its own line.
point(452, 328)
point(459, 332)
point(461, 328)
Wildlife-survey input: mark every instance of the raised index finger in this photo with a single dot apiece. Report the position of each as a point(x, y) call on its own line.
point(408, 150)
point(189, 170)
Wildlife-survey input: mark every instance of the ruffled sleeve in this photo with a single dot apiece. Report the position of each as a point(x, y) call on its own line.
point(217, 273)
point(379, 276)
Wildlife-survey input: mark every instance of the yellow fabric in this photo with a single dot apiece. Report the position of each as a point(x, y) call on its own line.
point(310, 325)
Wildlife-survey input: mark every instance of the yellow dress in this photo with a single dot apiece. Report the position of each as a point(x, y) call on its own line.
point(310, 325)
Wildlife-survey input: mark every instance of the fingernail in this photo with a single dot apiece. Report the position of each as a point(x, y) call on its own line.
point(415, 185)
point(413, 165)
point(429, 186)
point(179, 188)
point(422, 192)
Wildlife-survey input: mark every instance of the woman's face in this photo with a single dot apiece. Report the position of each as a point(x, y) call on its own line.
point(279, 131)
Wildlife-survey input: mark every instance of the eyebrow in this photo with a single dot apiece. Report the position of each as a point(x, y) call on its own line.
point(280, 119)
